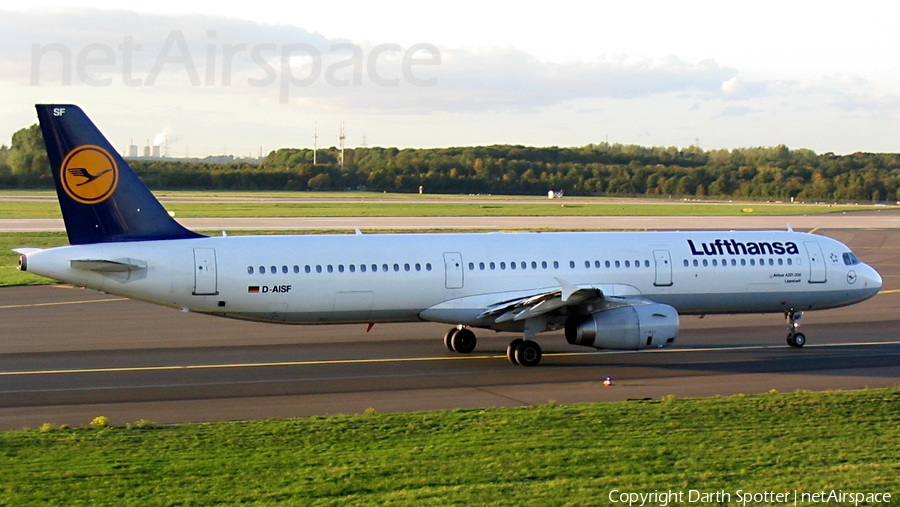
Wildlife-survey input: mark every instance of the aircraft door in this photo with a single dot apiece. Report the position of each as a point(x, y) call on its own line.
point(453, 270)
point(205, 283)
point(817, 273)
point(663, 262)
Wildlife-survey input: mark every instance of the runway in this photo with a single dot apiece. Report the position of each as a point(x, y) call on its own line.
point(68, 355)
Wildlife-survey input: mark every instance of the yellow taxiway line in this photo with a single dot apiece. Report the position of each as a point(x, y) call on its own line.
point(415, 359)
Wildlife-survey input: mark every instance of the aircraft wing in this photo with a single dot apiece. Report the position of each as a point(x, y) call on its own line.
point(535, 305)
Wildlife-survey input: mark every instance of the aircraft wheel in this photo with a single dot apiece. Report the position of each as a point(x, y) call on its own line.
point(528, 353)
point(463, 341)
point(796, 340)
point(511, 350)
point(448, 338)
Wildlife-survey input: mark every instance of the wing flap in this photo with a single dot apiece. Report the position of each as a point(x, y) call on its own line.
point(535, 305)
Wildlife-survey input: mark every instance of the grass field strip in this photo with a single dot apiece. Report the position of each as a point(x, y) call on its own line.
point(421, 359)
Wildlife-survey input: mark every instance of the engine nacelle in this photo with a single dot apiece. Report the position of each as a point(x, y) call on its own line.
point(625, 328)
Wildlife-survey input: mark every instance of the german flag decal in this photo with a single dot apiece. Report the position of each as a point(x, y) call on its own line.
point(253, 289)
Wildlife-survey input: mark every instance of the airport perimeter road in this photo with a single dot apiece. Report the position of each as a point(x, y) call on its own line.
point(68, 355)
point(887, 219)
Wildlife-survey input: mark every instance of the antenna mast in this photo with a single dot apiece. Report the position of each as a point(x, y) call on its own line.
point(341, 139)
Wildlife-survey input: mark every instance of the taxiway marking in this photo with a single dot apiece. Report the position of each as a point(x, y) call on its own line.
point(415, 359)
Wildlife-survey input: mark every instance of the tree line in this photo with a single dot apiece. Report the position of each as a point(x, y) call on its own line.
point(596, 169)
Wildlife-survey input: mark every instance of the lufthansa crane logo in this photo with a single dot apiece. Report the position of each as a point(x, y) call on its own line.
point(89, 174)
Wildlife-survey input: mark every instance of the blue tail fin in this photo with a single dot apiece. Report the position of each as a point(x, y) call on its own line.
point(101, 198)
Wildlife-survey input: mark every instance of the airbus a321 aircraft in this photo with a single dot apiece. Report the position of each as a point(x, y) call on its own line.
point(610, 290)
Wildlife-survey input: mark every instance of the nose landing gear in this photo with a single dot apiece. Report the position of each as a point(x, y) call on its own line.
point(794, 337)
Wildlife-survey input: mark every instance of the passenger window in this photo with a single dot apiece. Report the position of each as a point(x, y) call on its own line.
point(685, 263)
point(396, 267)
point(705, 263)
point(780, 261)
point(544, 264)
point(493, 265)
point(587, 264)
point(428, 267)
point(318, 268)
point(733, 262)
point(418, 267)
point(502, 265)
point(262, 270)
point(273, 270)
point(330, 268)
point(790, 261)
point(481, 266)
point(627, 264)
point(406, 267)
point(284, 269)
point(384, 267)
point(249, 270)
point(374, 268)
point(533, 264)
point(524, 265)
point(597, 264)
point(307, 268)
point(352, 268)
point(572, 264)
point(743, 262)
point(606, 263)
point(362, 268)
point(696, 264)
point(753, 262)
point(715, 262)
point(512, 265)
point(618, 264)
point(296, 269)
point(646, 264)
point(555, 264)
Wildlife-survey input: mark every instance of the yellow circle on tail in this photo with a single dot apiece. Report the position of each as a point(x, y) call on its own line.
point(89, 174)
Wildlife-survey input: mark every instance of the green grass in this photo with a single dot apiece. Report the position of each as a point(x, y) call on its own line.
point(546, 455)
point(394, 206)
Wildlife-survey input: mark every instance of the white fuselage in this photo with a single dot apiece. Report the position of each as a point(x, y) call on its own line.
point(452, 278)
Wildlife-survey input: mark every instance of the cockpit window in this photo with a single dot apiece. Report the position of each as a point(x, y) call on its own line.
point(850, 259)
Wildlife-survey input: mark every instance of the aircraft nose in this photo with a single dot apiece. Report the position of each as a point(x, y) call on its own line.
point(870, 278)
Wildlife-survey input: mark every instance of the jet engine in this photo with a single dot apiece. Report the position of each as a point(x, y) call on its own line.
point(625, 328)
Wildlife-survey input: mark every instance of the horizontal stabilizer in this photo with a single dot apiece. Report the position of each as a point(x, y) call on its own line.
point(108, 266)
point(26, 251)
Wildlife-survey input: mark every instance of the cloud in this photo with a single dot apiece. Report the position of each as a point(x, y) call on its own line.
point(736, 111)
point(289, 64)
point(736, 89)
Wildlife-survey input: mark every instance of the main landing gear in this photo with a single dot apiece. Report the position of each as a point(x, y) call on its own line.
point(794, 337)
point(519, 351)
point(524, 353)
point(460, 339)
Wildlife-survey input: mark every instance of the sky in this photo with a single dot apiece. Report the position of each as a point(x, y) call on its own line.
point(205, 78)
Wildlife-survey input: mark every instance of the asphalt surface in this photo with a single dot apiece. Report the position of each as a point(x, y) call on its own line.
point(68, 355)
